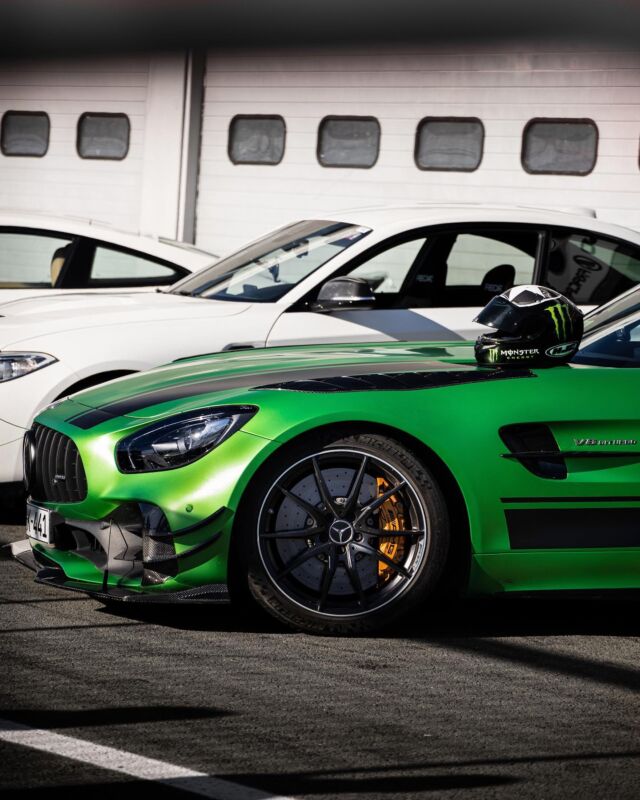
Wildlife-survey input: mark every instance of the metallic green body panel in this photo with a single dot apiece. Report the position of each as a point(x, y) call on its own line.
point(459, 424)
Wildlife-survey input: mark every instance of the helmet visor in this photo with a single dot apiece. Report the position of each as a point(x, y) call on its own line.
point(501, 315)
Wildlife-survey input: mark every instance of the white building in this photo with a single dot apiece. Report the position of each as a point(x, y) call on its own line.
point(168, 144)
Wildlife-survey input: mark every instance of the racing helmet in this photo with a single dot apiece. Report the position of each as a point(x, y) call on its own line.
point(534, 326)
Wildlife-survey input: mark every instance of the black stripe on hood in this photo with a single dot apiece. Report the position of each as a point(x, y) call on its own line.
point(400, 374)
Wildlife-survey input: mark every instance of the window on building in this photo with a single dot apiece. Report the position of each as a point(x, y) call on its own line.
point(449, 143)
point(256, 139)
point(25, 133)
point(103, 136)
point(348, 141)
point(560, 146)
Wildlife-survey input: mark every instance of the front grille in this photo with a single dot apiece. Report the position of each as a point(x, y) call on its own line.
point(56, 473)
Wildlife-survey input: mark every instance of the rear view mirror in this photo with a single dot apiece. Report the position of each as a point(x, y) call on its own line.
point(341, 294)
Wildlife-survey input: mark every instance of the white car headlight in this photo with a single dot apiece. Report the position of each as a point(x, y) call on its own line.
point(15, 365)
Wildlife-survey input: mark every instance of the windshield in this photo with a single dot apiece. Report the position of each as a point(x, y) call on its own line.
point(268, 268)
point(621, 306)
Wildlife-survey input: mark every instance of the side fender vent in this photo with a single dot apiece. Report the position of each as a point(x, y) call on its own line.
point(534, 446)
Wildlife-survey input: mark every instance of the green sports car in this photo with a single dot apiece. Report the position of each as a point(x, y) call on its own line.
point(339, 486)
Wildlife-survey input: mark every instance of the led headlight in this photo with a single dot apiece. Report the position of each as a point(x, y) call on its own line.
point(180, 440)
point(15, 365)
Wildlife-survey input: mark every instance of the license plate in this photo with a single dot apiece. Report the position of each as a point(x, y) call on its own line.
point(38, 523)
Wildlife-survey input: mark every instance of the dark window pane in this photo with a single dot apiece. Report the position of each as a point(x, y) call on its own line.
point(449, 144)
point(256, 140)
point(348, 141)
point(25, 133)
point(563, 146)
point(589, 269)
point(103, 136)
point(619, 348)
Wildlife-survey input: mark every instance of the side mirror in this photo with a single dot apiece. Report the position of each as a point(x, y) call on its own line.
point(342, 294)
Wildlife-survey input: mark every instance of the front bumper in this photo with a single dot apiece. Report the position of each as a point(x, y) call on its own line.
point(50, 574)
point(10, 452)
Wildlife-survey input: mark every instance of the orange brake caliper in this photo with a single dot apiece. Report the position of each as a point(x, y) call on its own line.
point(391, 518)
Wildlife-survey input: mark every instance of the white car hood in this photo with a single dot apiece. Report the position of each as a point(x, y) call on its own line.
point(40, 316)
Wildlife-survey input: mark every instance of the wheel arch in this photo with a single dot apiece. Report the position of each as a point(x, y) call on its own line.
point(456, 572)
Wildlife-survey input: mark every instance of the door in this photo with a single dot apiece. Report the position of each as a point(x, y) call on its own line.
point(428, 285)
point(570, 485)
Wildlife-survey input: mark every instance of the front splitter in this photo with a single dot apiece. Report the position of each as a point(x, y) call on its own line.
point(52, 575)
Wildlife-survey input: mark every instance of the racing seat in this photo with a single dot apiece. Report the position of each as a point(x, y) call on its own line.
point(496, 281)
point(57, 263)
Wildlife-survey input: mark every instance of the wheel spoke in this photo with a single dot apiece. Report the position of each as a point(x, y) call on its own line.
point(365, 548)
point(325, 494)
point(305, 555)
point(354, 577)
point(384, 533)
point(312, 511)
point(356, 486)
point(379, 500)
point(327, 578)
point(301, 533)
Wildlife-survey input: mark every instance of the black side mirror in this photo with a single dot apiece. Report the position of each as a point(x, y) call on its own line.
point(341, 294)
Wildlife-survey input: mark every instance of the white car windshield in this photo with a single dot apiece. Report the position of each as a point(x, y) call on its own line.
point(268, 268)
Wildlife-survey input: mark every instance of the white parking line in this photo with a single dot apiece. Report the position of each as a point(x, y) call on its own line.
point(146, 769)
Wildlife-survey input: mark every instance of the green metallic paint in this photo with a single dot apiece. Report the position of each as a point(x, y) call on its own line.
point(459, 424)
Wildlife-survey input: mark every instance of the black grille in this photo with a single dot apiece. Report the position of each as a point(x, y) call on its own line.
point(56, 473)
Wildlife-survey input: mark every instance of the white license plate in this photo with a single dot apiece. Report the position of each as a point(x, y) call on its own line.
point(38, 523)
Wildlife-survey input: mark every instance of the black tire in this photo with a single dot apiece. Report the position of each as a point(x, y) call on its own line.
point(353, 556)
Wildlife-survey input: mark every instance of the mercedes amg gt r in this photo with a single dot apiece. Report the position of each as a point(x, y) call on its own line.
point(339, 486)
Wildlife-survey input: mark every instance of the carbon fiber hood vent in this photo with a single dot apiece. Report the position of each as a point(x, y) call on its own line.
point(396, 381)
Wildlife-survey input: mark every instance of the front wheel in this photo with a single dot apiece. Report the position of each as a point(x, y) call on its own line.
point(343, 537)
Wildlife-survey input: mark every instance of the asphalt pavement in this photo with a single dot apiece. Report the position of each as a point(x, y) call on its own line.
point(491, 699)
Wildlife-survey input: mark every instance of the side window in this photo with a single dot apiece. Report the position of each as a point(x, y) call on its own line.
point(387, 271)
point(31, 260)
point(590, 269)
point(621, 348)
point(117, 268)
point(471, 267)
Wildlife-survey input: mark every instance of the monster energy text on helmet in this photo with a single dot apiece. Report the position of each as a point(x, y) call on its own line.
point(533, 325)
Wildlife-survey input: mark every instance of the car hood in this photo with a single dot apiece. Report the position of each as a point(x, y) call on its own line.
point(192, 383)
point(40, 316)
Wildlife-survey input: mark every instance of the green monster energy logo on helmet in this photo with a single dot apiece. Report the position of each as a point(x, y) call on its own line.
point(492, 354)
point(560, 316)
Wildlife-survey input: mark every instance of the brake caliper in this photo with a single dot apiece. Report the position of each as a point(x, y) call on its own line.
point(390, 518)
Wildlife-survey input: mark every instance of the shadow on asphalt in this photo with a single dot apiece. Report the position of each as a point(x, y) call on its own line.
point(589, 615)
point(99, 717)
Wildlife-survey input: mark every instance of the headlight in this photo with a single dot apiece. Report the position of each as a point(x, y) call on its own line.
point(15, 365)
point(180, 440)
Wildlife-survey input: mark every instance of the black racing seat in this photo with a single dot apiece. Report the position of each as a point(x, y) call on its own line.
point(497, 280)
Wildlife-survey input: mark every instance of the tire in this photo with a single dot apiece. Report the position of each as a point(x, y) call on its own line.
point(325, 544)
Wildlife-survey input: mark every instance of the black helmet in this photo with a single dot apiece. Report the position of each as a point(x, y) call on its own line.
point(534, 325)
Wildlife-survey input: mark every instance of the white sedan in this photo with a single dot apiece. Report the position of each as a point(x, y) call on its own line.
point(41, 254)
point(374, 275)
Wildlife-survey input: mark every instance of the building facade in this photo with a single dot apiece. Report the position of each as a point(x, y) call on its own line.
point(219, 148)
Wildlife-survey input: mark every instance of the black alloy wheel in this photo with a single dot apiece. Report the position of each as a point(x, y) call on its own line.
point(348, 537)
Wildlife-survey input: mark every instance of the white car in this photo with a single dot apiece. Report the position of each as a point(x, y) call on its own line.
point(413, 273)
point(41, 254)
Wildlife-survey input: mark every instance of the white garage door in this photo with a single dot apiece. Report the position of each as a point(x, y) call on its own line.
point(539, 127)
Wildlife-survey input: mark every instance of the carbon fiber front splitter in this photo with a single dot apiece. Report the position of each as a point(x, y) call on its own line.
point(53, 575)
